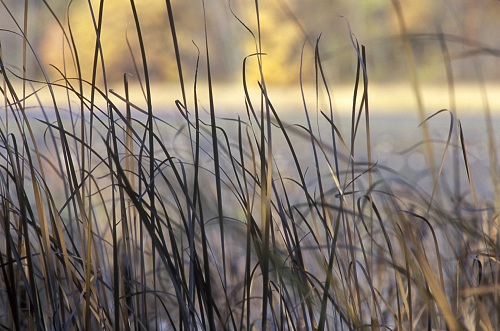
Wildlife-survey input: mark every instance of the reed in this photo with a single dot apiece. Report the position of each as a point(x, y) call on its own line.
point(116, 215)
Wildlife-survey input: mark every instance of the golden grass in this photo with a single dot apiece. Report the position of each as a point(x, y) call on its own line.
point(193, 224)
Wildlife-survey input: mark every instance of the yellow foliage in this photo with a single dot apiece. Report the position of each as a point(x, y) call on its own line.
point(419, 15)
point(282, 43)
point(118, 25)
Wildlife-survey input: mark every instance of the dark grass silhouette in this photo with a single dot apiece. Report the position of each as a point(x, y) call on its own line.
point(120, 217)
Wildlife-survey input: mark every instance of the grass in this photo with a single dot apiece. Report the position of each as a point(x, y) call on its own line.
point(121, 217)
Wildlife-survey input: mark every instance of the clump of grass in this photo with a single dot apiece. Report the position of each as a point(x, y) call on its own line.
point(119, 217)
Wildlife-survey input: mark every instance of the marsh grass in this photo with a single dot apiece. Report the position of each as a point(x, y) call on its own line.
point(117, 217)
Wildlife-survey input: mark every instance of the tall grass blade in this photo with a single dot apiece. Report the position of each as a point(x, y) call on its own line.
point(466, 163)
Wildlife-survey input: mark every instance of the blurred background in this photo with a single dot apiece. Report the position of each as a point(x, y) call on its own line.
point(468, 28)
point(410, 65)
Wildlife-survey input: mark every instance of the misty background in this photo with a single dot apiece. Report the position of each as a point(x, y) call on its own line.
point(449, 40)
point(468, 28)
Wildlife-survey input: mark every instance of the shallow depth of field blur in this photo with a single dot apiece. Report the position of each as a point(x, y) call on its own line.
point(468, 30)
point(284, 164)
